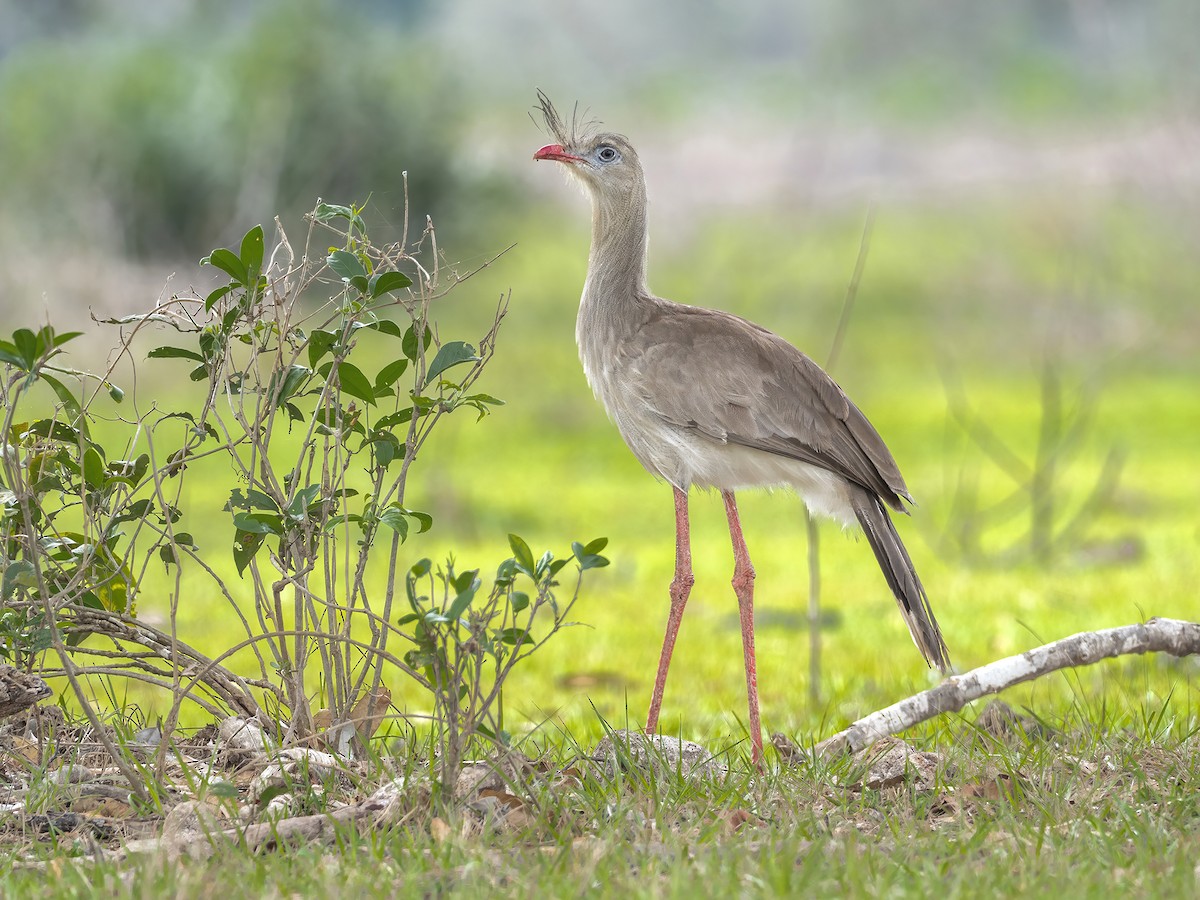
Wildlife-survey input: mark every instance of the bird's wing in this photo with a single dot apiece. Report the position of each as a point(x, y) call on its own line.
point(735, 382)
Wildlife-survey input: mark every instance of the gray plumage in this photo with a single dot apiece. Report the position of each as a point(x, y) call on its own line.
point(705, 398)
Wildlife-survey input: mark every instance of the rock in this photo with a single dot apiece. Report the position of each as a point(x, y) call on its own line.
point(475, 777)
point(237, 733)
point(659, 754)
point(191, 818)
point(396, 799)
point(891, 761)
point(20, 690)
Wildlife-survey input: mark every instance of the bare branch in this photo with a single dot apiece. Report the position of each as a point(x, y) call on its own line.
point(1173, 636)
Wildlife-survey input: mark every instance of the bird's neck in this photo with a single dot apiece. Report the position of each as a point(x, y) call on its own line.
point(617, 262)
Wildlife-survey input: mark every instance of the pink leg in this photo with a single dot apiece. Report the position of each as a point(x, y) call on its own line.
point(743, 587)
point(681, 586)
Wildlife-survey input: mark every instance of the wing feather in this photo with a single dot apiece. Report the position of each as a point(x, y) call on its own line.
point(734, 382)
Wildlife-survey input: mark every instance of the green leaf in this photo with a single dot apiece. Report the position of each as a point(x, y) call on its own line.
point(450, 354)
point(389, 374)
point(396, 517)
point(521, 553)
point(386, 282)
point(347, 265)
point(10, 355)
point(596, 546)
point(252, 499)
point(515, 635)
point(293, 377)
point(19, 573)
point(518, 600)
point(174, 353)
point(402, 417)
point(327, 212)
point(355, 383)
point(319, 343)
point(60, 339)
point(70, 404)
point(114, 585)
point(227, 262)
point(93, 469)
point(115, 392)
point(384, 326)
point(258, 523)
point(409, 342)
point(298, 508)
point(387, 448)
point(211, 300)
point(251, 253)
point(134, 512)
point(393, 517)
point(245, 546)
point(484, 399)
point(588, 559)
point(27, 347)
point(463, 600)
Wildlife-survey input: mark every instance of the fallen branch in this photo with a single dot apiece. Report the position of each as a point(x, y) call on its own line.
point(1172, 636)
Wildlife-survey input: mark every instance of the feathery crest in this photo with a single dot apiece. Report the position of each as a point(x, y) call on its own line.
point(581, 129)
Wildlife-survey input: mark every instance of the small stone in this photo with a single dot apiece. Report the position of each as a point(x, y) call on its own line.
point(191, 817)
point(243, 734)
point(659, 754)
point(891, 762)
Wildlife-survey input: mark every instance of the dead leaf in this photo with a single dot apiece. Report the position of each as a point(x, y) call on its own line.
point(322, 719)
point(736, 819)
point(369, 712)
point(439, 830)
point(509, 801)
point(28, 750)
point(109, 807)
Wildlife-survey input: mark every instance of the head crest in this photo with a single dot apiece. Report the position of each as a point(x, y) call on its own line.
point(581, 128)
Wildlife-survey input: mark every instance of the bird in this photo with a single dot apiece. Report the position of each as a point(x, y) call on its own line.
point(709, 400)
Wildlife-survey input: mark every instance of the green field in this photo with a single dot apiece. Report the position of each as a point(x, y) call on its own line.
point(980, 295)
point(987, 292)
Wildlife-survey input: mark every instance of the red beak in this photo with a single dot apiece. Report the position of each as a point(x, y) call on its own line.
point(557, 153)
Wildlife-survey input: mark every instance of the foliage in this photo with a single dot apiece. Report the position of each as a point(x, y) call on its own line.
point(466, 647)
point(156, 142)
point(321, 441)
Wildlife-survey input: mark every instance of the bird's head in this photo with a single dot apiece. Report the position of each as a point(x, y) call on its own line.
point(605, 163)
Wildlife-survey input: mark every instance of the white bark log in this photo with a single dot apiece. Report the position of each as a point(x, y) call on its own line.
point(1172, 636)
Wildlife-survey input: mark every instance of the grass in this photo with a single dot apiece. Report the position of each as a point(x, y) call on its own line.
point(1108, 803)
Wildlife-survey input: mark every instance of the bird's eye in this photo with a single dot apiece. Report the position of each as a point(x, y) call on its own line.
point(606, 154)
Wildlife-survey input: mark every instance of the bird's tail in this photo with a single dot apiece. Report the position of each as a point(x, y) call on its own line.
point(902, 578)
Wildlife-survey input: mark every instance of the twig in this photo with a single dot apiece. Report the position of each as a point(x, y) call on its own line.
point(1173, 636)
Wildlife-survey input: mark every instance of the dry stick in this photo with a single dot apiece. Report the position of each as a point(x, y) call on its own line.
point(1173, 636)
point(810, 524)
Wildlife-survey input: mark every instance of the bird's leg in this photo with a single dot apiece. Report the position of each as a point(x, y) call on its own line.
point(681, 587)
point(743, 587)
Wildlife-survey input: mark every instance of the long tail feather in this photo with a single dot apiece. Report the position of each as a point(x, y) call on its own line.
point(901, 578)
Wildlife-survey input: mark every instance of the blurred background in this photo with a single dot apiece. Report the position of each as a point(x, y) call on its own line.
point(1021, 181)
